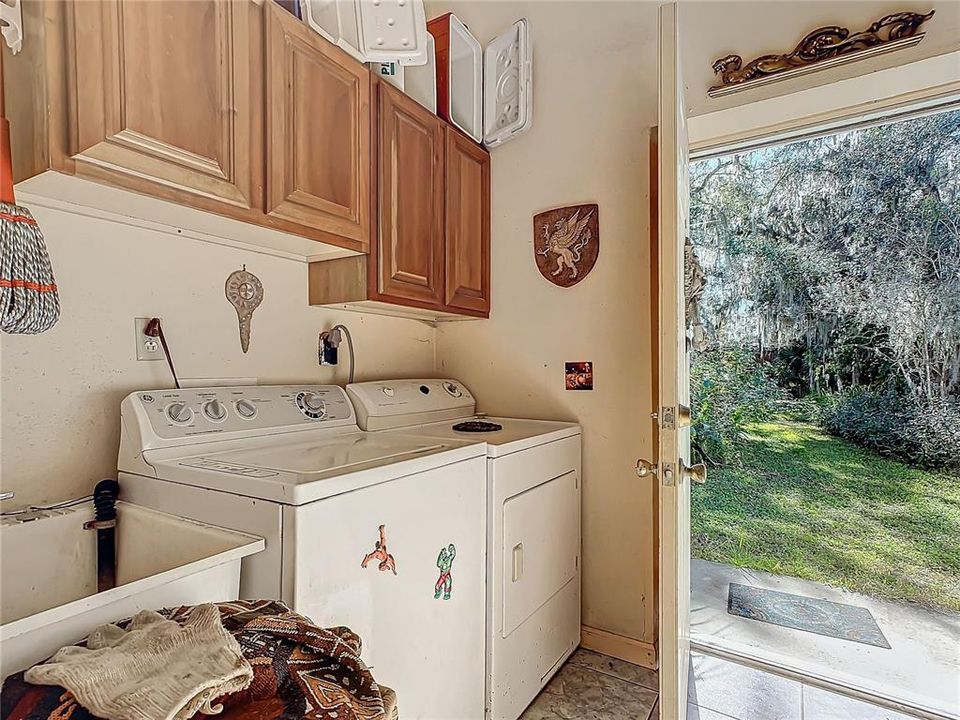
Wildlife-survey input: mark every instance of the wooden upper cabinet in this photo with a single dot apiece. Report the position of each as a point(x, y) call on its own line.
point(318, 132)
point(160, 98)
point(467, 224)
point(410, 248)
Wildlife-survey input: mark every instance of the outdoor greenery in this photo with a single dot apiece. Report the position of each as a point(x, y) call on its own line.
point(927, 432)
point(839, 256)
point(732, 390)
point(827, 397)
point(806, 504)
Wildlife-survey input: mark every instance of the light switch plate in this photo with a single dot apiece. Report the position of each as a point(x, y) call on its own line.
point(148, 348)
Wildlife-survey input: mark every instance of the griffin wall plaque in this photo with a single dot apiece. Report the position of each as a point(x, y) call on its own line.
point(566, 243)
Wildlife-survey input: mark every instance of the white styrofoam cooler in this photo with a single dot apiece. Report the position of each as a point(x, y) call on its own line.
point(372, 30)
point(162, 561)
point(508, 85)
point(486, 93)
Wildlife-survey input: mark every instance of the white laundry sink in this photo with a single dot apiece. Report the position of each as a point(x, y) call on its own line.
point(48, 581)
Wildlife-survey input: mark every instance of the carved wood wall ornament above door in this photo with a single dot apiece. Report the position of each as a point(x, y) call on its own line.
point(824, 47)
point(566, 243)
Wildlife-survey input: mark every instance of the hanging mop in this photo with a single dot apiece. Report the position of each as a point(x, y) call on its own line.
point(28, 292)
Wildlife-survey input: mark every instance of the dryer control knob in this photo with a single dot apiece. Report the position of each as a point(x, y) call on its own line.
point(453, 389)
point(246, 409)
point(179, 413)
point(215, 410)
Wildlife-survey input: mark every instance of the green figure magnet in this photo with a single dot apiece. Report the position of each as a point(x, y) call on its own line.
point(445, 563)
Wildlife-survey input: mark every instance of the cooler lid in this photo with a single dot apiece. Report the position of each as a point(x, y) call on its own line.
point(508, 84)
point(393, 30)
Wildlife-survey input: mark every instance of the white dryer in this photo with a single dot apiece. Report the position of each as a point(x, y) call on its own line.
point(533, 526)
point(360, 528)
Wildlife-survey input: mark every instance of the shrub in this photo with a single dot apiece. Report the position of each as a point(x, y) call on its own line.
point(923, 432)
point(729, 388)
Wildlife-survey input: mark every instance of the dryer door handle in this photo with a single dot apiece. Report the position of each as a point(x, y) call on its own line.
point(517, 561)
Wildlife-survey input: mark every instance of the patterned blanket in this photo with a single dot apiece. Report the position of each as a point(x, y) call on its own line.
point(299, 671)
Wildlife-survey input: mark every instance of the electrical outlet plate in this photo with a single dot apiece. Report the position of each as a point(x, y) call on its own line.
point(148, 348)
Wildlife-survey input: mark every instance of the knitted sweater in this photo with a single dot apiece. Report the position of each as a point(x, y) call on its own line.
point(154, 669)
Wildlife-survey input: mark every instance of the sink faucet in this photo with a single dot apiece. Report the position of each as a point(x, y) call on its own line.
point(7, 495)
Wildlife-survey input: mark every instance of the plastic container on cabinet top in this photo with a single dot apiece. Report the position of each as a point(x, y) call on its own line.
point(486, 93)
point(459, 74)
point(420, 82)
point(508, 85)
point(336, 21)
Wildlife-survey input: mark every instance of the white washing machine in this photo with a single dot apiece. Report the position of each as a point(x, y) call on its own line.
point(533, 526)
point(361, 529)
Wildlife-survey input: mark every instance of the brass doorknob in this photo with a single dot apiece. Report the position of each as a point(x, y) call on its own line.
point(695, 473)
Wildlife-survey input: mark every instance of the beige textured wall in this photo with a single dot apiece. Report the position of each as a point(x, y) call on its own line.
point(595, 96)
point(60, 392)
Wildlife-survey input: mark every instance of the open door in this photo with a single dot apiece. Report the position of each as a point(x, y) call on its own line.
point(673, 413)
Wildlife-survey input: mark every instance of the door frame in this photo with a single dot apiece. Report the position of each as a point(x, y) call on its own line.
point(915, 89)
point(671, 386)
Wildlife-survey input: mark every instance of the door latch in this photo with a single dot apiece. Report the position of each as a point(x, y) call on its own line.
point(645, 468)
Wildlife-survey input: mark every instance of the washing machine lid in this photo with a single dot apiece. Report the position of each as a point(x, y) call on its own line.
point(301, 470)
point(516, 434)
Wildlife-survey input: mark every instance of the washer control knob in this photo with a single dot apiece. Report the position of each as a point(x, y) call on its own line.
point(388, 391)
point(179, 413)
point(246, 409)
point(215, 410)
point(311, 405)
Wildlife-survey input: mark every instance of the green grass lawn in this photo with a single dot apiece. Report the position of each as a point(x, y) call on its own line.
point(809, 505)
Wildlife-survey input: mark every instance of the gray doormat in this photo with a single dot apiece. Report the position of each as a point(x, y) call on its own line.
point(823, 617)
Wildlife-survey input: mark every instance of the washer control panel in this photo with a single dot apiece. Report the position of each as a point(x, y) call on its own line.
point(193, 411)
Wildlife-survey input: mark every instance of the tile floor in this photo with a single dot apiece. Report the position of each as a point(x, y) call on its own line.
point(596, 687)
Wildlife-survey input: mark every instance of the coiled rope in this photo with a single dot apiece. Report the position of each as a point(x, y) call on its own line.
point(29, 303)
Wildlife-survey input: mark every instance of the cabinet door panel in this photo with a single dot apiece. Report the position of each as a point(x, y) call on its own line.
point(410, 245)
point(318, 131)
point(160, 94)
point(467, 225)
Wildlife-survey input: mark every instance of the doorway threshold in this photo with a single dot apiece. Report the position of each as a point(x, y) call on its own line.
point(810, 673)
